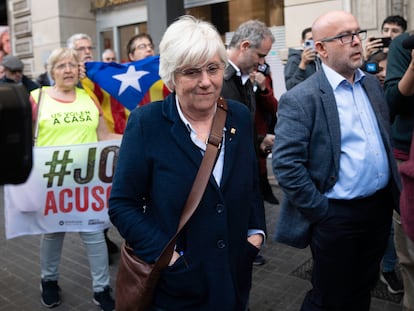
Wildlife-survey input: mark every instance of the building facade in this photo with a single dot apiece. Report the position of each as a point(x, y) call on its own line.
point(37, 27)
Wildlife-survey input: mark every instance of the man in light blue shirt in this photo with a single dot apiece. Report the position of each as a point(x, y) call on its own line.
point(334, 163)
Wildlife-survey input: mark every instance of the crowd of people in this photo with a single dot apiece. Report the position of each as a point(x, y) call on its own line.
point(336, 138)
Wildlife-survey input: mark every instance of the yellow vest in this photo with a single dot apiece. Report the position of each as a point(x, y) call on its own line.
point(66, 123)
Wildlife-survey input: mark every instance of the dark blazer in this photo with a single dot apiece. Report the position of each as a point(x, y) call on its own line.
point(307, 150)
point(234, 89)
point(156, 168)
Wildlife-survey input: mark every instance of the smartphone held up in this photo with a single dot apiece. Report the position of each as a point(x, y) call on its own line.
point(384, 40)
point(309, 44)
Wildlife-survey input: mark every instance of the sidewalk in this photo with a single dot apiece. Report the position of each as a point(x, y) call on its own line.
point(275, 288)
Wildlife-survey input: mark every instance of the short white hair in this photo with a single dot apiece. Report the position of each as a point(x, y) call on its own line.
point(188, 42)
point(70, 43)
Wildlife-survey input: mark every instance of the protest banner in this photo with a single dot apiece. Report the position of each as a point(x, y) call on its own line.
point(67, 190)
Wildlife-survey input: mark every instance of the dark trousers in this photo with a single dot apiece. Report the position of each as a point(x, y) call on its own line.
point(347, 246)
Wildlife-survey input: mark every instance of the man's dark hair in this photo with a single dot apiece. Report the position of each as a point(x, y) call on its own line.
point(305, 31)
point(395, 19)
point(130, 46)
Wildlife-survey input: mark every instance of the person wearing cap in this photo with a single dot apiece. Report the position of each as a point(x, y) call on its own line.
point(13, 73)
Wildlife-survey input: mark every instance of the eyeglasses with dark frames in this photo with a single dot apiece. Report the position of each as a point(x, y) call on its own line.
point(347, 37)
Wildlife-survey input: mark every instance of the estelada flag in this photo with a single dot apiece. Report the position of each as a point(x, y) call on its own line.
point(120, 88)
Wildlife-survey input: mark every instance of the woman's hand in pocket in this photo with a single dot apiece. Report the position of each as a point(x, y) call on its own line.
point(256, 240)
point(174, 258)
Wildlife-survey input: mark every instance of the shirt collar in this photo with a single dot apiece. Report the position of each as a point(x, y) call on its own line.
point(182, 117)
point(335, 79)
point(243, 76)
point(193, 134)
point(238, 72)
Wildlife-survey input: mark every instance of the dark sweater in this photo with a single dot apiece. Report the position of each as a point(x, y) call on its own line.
point(401, 107)
point(293, 74)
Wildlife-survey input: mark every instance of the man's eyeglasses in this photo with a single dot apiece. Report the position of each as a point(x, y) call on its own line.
point(84, 48)
point(144, 46)
point(195, 73)
point(347, 37)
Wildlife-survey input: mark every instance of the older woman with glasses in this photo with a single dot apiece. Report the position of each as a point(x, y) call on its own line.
point(64, 98)
point(162, 148)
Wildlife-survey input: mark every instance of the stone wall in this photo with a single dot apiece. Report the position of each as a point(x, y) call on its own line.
point(38, 27)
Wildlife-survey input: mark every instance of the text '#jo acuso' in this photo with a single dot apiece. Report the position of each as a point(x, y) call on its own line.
point(83, 195)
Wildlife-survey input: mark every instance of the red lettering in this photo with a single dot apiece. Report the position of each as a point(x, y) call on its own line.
point(78, 205)
point(50, 205)
point(80, 198)
point(100, 204)
point(62, 207)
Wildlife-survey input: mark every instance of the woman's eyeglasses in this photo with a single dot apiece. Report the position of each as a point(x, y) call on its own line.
point(194, 73)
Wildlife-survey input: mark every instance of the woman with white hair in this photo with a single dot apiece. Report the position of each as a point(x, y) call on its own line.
point(163, 145)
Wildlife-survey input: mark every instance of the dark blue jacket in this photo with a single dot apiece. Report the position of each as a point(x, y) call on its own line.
point(156, 168)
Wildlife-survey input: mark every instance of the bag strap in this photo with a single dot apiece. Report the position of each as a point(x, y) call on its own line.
point(201, 180)
point(36, 126)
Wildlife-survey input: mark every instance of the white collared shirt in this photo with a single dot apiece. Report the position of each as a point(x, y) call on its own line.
point(218, 167)
point(244, 77)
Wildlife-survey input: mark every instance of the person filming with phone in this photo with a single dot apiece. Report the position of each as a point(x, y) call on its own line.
point(301, 64)
point(392, 26)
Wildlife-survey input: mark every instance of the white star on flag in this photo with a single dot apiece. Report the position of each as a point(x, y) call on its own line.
point(130, 78)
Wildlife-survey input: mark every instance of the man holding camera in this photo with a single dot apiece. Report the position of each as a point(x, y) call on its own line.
point(301, 64)
point(392, 26)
